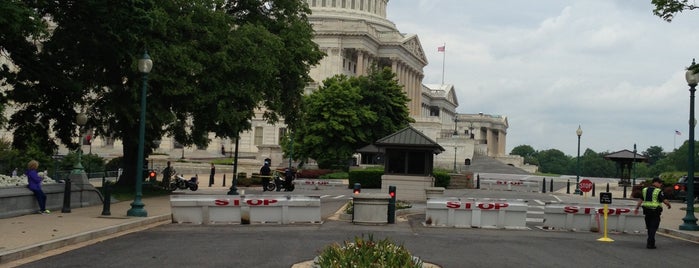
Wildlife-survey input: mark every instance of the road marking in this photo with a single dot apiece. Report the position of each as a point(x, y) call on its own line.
point(539, 202)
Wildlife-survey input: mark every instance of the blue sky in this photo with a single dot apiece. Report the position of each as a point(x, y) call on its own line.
point(610, 66)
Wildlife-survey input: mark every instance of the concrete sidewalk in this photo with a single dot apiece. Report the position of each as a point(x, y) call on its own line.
point(31, 235)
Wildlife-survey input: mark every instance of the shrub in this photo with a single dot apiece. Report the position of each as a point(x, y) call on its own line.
point(366, 253)
point(368, 178)
point(441, 178)
point(335, 176)
point(312, 173)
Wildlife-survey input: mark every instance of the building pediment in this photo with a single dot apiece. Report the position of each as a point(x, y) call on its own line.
point(412, 44)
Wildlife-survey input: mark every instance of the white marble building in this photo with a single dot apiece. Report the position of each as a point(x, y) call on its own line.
point(355, 34)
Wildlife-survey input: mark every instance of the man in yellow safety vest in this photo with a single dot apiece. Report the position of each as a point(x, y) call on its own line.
point(651, 200)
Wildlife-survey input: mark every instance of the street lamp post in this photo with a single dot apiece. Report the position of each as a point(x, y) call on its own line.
point(456, 133)
point(577, 172)
point(145, 64)
point(690, 221)
point(80, 119)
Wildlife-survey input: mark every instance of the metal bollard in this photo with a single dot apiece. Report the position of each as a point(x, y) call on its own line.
point(543, 186)
point(392, 204)
point(607, 187)
point(66, 197)
point(224, 180)
point(593, 190)
point(107, 191)
point(568, 187)
point(478, 181)
point(624, 190)
point(551, 188)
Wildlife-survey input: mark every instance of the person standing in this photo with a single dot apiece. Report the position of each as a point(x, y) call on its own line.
point(211, 175)
point(265, 172)
point(167, 174)
point(651, 200)
point(34, 184)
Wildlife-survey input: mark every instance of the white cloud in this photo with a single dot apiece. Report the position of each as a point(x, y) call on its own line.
point(549, 65)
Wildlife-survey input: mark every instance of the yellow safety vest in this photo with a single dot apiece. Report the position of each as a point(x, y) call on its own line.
point(653, 203)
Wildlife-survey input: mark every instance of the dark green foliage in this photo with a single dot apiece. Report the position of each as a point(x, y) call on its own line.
point(347, 113)
point(368, 178)
point(667, 9)
point(441, 178)
point(214, 63)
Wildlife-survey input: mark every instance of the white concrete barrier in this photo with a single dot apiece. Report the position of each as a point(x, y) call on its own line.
point(370, 208)
point(510, 185)
point(586, 217)
point(205, 209)
point(227, 209)
point(283, 209)
point(479, 213)
point(315, 183)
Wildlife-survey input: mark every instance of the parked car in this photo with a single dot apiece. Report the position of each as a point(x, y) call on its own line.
point(680, 188)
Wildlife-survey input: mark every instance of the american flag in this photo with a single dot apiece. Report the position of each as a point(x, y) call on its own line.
point(678, 132)
point(441, 49)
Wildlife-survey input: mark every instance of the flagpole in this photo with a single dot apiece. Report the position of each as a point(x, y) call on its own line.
point(444, 56)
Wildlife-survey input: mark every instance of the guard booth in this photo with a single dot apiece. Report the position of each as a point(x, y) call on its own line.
point(408, 163)
point(624, 160)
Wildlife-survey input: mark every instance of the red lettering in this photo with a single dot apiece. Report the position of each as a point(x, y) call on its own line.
point(221, 202)
point(467, 205)
point(486, 205)
point(622, 210)
point(272, 201)
point(254, 202)
point(452, 204)
point(587, 210)
point(571, 209)
point(501, 205)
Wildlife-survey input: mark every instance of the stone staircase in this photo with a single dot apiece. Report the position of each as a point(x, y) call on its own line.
point(481, 164)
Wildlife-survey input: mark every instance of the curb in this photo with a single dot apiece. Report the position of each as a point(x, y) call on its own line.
point(31, 250)
point(679, 234)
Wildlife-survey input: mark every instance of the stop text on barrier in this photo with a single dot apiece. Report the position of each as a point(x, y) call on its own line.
point(589, 210)
point(318, 182)
point(250, 202)
point(510, 182)
point(472, 205)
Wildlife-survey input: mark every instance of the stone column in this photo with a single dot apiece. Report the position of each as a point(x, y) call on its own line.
point(361, 69)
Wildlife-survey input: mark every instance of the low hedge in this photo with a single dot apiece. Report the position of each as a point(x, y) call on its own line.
point(368, 178)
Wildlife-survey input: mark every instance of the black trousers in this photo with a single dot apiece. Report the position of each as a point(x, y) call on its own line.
point(652, 217)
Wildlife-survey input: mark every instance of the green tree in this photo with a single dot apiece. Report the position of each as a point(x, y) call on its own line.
point(593, 164)
point(523, 150)
point(21, 27)
point(553, 161)
point(527, 152)
point(215, 62)
point(333, 123)
point(667, 9)
point(348, 113)
point(653, 154)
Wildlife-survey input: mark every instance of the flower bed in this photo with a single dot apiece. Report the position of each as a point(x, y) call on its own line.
point(10, 181)
point(366, 253)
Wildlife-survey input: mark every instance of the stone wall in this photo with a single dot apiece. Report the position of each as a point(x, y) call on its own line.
point(19, 200)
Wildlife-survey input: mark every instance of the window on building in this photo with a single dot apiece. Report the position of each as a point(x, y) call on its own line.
point(407, 162)
point(258, 136)
point(282, 135)
point(434, 111)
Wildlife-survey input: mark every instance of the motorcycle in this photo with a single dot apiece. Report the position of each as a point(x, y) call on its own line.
point(282, 181)
point(181, 183)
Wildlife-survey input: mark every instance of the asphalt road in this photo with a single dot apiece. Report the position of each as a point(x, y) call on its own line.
point(174, 245)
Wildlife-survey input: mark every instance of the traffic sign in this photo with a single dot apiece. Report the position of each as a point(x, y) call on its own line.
point(585, 185)
point(605, 198)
